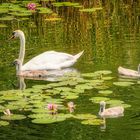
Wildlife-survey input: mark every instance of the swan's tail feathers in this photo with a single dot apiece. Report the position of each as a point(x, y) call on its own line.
point(78, 55)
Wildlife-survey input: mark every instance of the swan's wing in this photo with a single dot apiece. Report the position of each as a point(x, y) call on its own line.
point(114, 111)
point(49, 60)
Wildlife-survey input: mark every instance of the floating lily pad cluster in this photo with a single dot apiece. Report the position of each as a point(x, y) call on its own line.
point(60, 4)
point(91, 10)
point(33, 101)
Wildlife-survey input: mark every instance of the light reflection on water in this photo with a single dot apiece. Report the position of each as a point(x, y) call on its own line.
point(109, 40)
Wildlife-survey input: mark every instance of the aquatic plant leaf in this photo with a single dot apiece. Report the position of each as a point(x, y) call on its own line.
point(52, 119)
point(53, 19)
point(87, 10)
point(95, 82)
point(92, 122)
point(115, 102)
point(39, 87)
point(107, 78)
point(40, 110)
point(39, 115)
point(3, 26)
point(3, 10)
point(43, 10)
point(123, 84)
point(104, 72)
point(13, 117)
point(98, 99)
point(78, 90)
point(90, 75)
point(6, 18)
point(126, 105)
point(4, 123)
point(59, 4)
point(21, 13)
point(101, 87)
point(63, 89)
point(107, 92)
point(85, 116)
point(70, 97)
point(67, 93)
point(83, 86)
point(56, 101)
point(12, 107)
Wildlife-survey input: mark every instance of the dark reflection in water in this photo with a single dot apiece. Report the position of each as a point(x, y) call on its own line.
point(110, 38)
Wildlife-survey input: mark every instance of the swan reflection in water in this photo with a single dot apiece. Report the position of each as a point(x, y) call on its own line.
point(52, 76)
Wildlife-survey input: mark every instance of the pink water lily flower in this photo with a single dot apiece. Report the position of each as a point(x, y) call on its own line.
point(31, 6)
point(52, 107)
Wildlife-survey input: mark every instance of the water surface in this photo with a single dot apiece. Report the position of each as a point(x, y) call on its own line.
point(109, 37)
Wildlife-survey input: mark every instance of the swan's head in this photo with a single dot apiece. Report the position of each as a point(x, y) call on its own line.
point(16, 62)
point(102, 103)
point(102, 106)
point(17, 33)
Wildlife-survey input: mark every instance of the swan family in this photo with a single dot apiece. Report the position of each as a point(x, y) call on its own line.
point(48, 60)
point(39, 66)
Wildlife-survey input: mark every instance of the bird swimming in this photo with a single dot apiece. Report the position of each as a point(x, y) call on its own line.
point(110, 112)
point(129, 72)
point(48, 60)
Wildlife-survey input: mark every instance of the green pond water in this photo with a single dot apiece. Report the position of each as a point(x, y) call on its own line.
point(109, 34)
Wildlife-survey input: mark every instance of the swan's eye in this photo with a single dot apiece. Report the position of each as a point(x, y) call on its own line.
point(13, 33)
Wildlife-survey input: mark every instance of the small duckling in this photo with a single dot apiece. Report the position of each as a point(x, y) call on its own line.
point(110, 112)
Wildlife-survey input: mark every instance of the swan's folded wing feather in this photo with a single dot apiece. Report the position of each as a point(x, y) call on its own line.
point(47, 60)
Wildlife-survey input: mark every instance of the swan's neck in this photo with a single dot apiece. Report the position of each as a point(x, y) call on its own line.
point(18, 68)
point(22, 84)
point(22, 48)
point(139, 69)
point(102, 109)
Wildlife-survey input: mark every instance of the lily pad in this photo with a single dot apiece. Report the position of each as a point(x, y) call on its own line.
point(13, 117)
point(93, 122)
point(123, 84)
point(87, 10)
point(107, 78)
point(99, 99)
point(52, 119)
point(70, 97)
point(6, 18)
point(83, 86)
point(104, 72)
point(4, 123)
point(115, 102)
point(39, 115)
point(3, 10)
point(85, 116)
point(3, 26)
point(90, 75)
point(105, 92)
point(43, 10)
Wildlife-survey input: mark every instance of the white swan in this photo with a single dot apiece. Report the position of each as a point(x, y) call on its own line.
point(110, 112)
point(129, 72)
point(46, 61)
